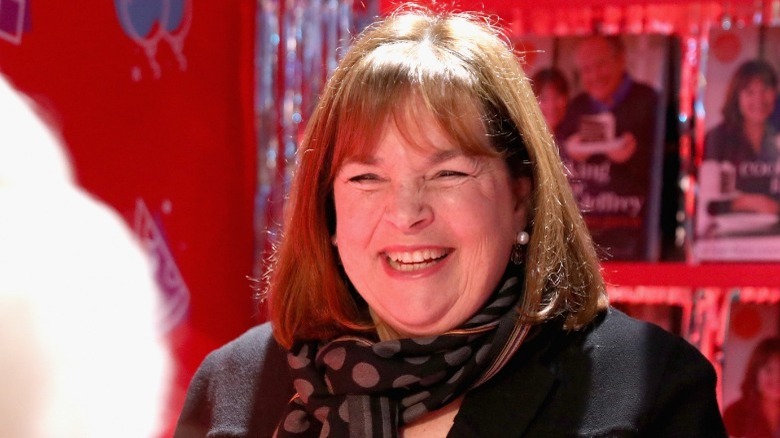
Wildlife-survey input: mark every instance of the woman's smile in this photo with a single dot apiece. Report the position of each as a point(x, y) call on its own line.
point(417, 261)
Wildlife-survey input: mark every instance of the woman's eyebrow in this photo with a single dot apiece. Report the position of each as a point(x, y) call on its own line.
point(437, 158)
point(444, 155)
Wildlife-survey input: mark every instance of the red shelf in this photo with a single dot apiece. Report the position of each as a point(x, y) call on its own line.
point(723, 275)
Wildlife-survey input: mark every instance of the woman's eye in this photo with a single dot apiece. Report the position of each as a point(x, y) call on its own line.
point(450, 174)
point(364, 177)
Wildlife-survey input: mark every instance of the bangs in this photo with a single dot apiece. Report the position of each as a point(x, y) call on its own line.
point(409, 83)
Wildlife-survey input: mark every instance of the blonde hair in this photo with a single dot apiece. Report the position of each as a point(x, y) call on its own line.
point(457, 65)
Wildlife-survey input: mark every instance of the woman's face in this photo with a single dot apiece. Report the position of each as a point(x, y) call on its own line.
point(757, 101)
point(424, 233)
point(768, 379)
point(553, 104)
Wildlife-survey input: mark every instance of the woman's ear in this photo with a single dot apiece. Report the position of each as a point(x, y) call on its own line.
point(521, 190)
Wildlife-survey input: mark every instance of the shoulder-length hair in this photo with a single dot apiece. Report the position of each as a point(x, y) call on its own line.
point(745, 74)
point(552, 77)
point(459, 66)
point(764, 351)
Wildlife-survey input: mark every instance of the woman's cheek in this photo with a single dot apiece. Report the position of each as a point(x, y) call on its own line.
point(358, 212)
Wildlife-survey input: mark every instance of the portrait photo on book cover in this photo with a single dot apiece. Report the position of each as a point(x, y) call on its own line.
point(750, 396)
point(738, 205)
point(604, 98)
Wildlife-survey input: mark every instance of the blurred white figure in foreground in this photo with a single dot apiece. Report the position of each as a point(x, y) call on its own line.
point(80, 353)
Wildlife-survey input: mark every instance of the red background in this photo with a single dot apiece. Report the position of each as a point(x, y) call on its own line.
point(185, 139)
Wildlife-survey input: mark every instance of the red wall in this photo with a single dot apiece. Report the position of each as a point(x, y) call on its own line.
point(181, 140)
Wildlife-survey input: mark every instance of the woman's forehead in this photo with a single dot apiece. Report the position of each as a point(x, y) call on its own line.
point(422, 119)
point(424, 134)
point(758, 81)
point(433, 155)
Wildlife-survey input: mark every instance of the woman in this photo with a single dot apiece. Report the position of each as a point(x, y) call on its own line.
point(435, 276)
point(552, 90)
point(757, 412)
point(747, 139)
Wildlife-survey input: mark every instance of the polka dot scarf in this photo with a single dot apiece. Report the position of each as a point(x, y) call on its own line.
point(355, 387)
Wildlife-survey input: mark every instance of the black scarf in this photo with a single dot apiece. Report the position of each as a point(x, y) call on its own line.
point(352, 386)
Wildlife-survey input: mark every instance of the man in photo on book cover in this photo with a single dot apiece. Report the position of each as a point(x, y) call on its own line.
point(607, 139)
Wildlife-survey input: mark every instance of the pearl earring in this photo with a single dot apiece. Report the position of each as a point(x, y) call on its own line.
point(518, 252)
point(523, 238)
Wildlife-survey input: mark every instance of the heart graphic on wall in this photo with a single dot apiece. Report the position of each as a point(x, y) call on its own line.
point(151, 22)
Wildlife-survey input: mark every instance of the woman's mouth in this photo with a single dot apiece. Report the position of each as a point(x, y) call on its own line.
point(409, 261)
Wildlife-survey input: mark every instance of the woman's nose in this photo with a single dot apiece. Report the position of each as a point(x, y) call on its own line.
point(408, 208)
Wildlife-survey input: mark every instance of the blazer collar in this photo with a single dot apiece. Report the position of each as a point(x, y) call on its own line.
point(507, 404)
point(505, 407)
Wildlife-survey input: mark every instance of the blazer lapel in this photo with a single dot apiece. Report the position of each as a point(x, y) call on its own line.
point(507, 404)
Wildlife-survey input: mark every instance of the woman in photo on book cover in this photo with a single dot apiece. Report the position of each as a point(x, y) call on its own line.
point(552, 90)
point(757, 413)
point(748, 141)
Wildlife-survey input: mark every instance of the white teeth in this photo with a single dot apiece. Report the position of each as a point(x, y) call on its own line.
point(408, 267)
point(414, 260)
point(418, 256)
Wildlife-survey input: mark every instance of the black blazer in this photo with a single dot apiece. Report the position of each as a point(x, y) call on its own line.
point(618, 377)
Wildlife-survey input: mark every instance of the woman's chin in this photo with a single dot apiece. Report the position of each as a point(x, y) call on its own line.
point(411, 324)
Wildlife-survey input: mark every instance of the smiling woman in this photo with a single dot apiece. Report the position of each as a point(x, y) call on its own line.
point(747, 139)
point(406, 231)
point(435, 277)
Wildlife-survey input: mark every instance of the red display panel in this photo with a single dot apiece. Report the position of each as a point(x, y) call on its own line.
point(154, 103)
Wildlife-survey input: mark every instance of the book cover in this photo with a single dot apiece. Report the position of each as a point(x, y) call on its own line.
point(604, 98)
point(737, 215)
